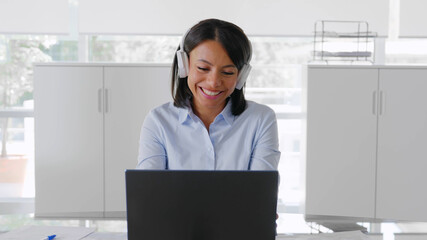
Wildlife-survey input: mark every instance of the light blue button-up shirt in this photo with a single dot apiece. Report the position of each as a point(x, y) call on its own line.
point(175, 138)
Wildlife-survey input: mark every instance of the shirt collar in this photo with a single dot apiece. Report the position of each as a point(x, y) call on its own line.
point(187, 114)
point(226, 113)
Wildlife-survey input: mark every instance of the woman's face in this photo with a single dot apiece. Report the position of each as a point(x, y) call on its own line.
point(212, 76)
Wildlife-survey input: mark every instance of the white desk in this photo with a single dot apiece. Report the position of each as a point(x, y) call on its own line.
point(326, 236)
point(106, 235)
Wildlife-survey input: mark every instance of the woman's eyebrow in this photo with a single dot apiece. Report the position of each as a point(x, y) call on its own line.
point(207, 62)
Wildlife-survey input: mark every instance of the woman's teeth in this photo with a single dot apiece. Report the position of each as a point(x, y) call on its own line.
point(210, 93)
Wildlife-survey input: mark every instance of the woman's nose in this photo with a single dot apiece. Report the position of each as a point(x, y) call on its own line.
point(214, 79)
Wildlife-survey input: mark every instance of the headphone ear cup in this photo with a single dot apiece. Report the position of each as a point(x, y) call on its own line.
point(182, 59)
point(243, 75)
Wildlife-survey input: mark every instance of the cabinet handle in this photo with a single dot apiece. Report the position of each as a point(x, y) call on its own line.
point(374, 103)
point(100, 100)
point(106, 100)
point(382, 102)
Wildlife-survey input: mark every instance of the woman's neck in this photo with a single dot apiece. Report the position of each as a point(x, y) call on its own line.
point(207, 115)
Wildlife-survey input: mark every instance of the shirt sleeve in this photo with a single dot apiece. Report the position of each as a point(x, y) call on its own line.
point(152, 153)
point(266, 155)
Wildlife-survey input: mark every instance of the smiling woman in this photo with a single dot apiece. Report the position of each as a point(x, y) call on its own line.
point(210, 125)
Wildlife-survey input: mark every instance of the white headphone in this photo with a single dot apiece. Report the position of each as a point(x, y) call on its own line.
point(183, 68)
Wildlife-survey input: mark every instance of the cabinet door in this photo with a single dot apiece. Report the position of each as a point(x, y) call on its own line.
point(402, 145)
point(341, 141)
point(130, 93)
point(68, 141)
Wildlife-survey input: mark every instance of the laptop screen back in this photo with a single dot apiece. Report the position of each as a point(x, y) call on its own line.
point(201, 205)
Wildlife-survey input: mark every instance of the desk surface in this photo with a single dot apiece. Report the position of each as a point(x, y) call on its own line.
point(351, 236)
point(106, 235)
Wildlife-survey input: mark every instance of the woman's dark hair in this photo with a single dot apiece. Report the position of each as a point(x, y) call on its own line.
point(235, 43)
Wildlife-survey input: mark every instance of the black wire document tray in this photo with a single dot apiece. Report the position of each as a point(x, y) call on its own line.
point(343, 41)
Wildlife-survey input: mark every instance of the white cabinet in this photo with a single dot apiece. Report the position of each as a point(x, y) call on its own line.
point(366, 142)
point(87, 123)
point(341, 138)
point(402, 145)
point(68, 141)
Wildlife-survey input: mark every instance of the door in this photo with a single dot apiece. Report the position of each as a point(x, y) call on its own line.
point(402, 145)
point(68, 141)
point(130, 94)
point(341, 141)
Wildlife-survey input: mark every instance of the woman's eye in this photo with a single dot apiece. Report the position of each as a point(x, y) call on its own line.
point(228, 73)
point(202, 69)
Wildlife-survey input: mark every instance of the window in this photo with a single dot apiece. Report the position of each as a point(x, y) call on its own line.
point(17, 55)
point(406, 51)
point(276, 81)
point(131, 49)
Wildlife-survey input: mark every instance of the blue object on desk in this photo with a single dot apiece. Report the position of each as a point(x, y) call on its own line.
point(50, 237)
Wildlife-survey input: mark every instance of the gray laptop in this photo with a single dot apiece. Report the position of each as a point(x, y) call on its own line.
point(201, 205)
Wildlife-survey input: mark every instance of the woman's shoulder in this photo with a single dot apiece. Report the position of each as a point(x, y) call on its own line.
point(166, 111)
point(258, 108)
point(165, 107)
point(257, 112)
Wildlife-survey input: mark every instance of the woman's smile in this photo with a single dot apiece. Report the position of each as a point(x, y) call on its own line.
point(210, 94)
